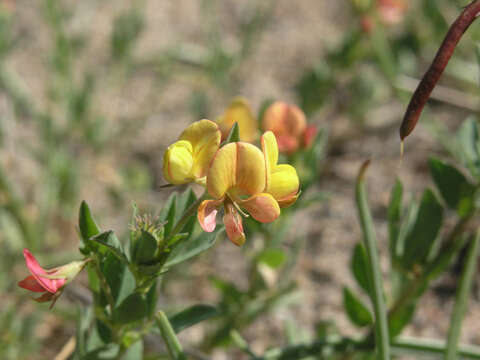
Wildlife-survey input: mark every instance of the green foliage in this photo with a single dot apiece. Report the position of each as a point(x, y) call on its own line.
point(421, 238)
point(191, 316)
point(357, 312)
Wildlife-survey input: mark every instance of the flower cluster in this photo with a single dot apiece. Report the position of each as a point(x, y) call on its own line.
point(287, 122)
point(237, 175)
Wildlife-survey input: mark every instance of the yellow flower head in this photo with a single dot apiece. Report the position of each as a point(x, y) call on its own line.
point(239, 111)
point(187, 159)
point(242, 176)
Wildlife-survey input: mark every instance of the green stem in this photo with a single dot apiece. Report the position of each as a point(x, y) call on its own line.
point(432, 346)
point(376, 288)
point(185, 217)
point(104, 284)
point(168, 334)
point(463, 294)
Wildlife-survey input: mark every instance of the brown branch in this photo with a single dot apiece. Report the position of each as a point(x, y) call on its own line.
point(430, 79)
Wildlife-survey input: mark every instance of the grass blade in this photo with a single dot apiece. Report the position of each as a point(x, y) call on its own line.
point(461, 300)
point(376, 286)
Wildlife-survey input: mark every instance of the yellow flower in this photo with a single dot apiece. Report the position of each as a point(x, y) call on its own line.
point(242, 176)
point(236, 178)
point(281, 179)
point(239, 111)
point(187, 159)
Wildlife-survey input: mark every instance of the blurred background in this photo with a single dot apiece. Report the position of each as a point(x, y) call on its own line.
point(92, 92)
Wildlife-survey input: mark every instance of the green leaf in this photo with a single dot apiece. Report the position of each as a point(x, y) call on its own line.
point(454, 187)
point(359, 266)
point(171, 341)
point(168, 214)
point(192, 316)
point(274, 258)
point(357, 312)
point(108, 242)
point(394, 218)
point(400, 319)
point(468, 137)
point(420, 240)
point(86, 223)
point(104, 331)
point(132, 308)
point(233, 135)
point(188, 249)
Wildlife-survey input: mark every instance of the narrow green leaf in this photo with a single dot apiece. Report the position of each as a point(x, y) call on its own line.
point(421, 238)
point(168, 334)
point(86, 223)
point(359, 266)
point(394, 217)
point(357, 312)
point(463, 294)
point(233, 135)
point(400, 319)
point(186, 250)
point(454, 187)
point(192, 316)
point(168, 214)
point(376, 287)
point(108, 242)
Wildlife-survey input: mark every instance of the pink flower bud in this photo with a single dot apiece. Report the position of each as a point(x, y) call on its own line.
point(49, 282)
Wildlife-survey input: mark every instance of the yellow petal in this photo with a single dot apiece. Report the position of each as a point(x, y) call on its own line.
point(239, 111)
point(204, 136)
point(178, 163)
point(206, 214)
point(233, 225)
point(236, 165)
point(270, 151)
point(284, 182)
point(221, 174)
point(263, 207)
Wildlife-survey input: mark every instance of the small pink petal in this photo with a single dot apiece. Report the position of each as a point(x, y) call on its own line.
point(31, 284)
point(36, 270)
point(207, 213)
point(234, 227)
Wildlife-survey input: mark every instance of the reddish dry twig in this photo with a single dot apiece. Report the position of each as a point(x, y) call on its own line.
point(430, 79)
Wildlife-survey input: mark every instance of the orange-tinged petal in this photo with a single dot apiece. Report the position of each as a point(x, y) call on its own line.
point(178, 163)
point(204, 137)
point(207, 213)
point(263, 207)
point(233, 225)
point(239, 111)
point(284, 182)
point(236, 165)
point(286, 202)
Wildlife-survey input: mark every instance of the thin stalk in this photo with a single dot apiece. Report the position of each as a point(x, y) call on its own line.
point(185, 217)
point(432, 347)
point(104, 284)
point(168, 334)
point(376, 288)
point(461, 300)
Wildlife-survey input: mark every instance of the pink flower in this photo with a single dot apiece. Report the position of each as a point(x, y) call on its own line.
point(49, 282)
